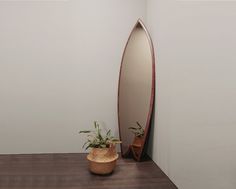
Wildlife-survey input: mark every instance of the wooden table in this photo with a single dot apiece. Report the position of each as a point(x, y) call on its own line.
point(69, 171)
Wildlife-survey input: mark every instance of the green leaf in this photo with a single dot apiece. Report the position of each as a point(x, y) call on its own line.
point(97, 138)
point(108, 133)
point(85, 131)
point(85, 144)
point(134, 128)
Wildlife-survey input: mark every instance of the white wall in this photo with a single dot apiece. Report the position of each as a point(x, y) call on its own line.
point(59, 65)
point(195, 122)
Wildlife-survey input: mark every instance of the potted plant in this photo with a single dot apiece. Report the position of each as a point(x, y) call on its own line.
point(138, 132)
point(102, 156)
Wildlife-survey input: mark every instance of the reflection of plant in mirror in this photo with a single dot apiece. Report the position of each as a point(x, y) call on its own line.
point(96, 138)
point(138, 130)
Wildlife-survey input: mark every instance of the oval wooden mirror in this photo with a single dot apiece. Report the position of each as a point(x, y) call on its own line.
point(136, 92)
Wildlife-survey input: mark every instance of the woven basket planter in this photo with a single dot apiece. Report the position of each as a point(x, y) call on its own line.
point(102, 161)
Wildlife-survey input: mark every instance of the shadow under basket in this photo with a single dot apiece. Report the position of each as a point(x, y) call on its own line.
point(102, 161)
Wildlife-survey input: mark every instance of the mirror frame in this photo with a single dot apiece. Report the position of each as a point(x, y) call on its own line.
point(131, 152)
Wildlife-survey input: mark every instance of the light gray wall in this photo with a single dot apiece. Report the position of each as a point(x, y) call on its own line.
point(195, 123)
point(59, 65)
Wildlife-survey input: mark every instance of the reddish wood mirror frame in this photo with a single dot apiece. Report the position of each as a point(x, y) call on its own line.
point(131, 145)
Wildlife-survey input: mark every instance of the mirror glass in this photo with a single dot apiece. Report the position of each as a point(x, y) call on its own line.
point(136, 91)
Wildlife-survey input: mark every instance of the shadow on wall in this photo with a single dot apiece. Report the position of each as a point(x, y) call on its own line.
point(151, 134)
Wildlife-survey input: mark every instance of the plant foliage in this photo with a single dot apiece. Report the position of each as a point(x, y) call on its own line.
point(97, 139)
point(138, 130)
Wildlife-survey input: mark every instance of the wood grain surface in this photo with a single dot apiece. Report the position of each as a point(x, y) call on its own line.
point(70, 171)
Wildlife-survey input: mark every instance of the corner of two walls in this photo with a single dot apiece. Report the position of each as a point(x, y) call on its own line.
point(194, 132)
point(158, 148)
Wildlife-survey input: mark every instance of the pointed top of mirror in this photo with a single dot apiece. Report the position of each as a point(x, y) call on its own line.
point(139, 23)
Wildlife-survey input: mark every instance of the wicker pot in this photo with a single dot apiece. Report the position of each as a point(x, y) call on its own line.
point(137, 145)
point(102, 161)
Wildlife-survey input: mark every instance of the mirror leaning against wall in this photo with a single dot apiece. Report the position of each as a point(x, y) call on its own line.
point(136, 92)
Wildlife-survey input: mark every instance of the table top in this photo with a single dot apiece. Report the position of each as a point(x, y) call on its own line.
point(70, 171)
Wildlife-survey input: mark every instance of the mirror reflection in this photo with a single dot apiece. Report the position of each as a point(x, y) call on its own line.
point(136, 92)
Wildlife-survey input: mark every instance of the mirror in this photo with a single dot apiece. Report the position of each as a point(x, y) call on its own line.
point(136, 92)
